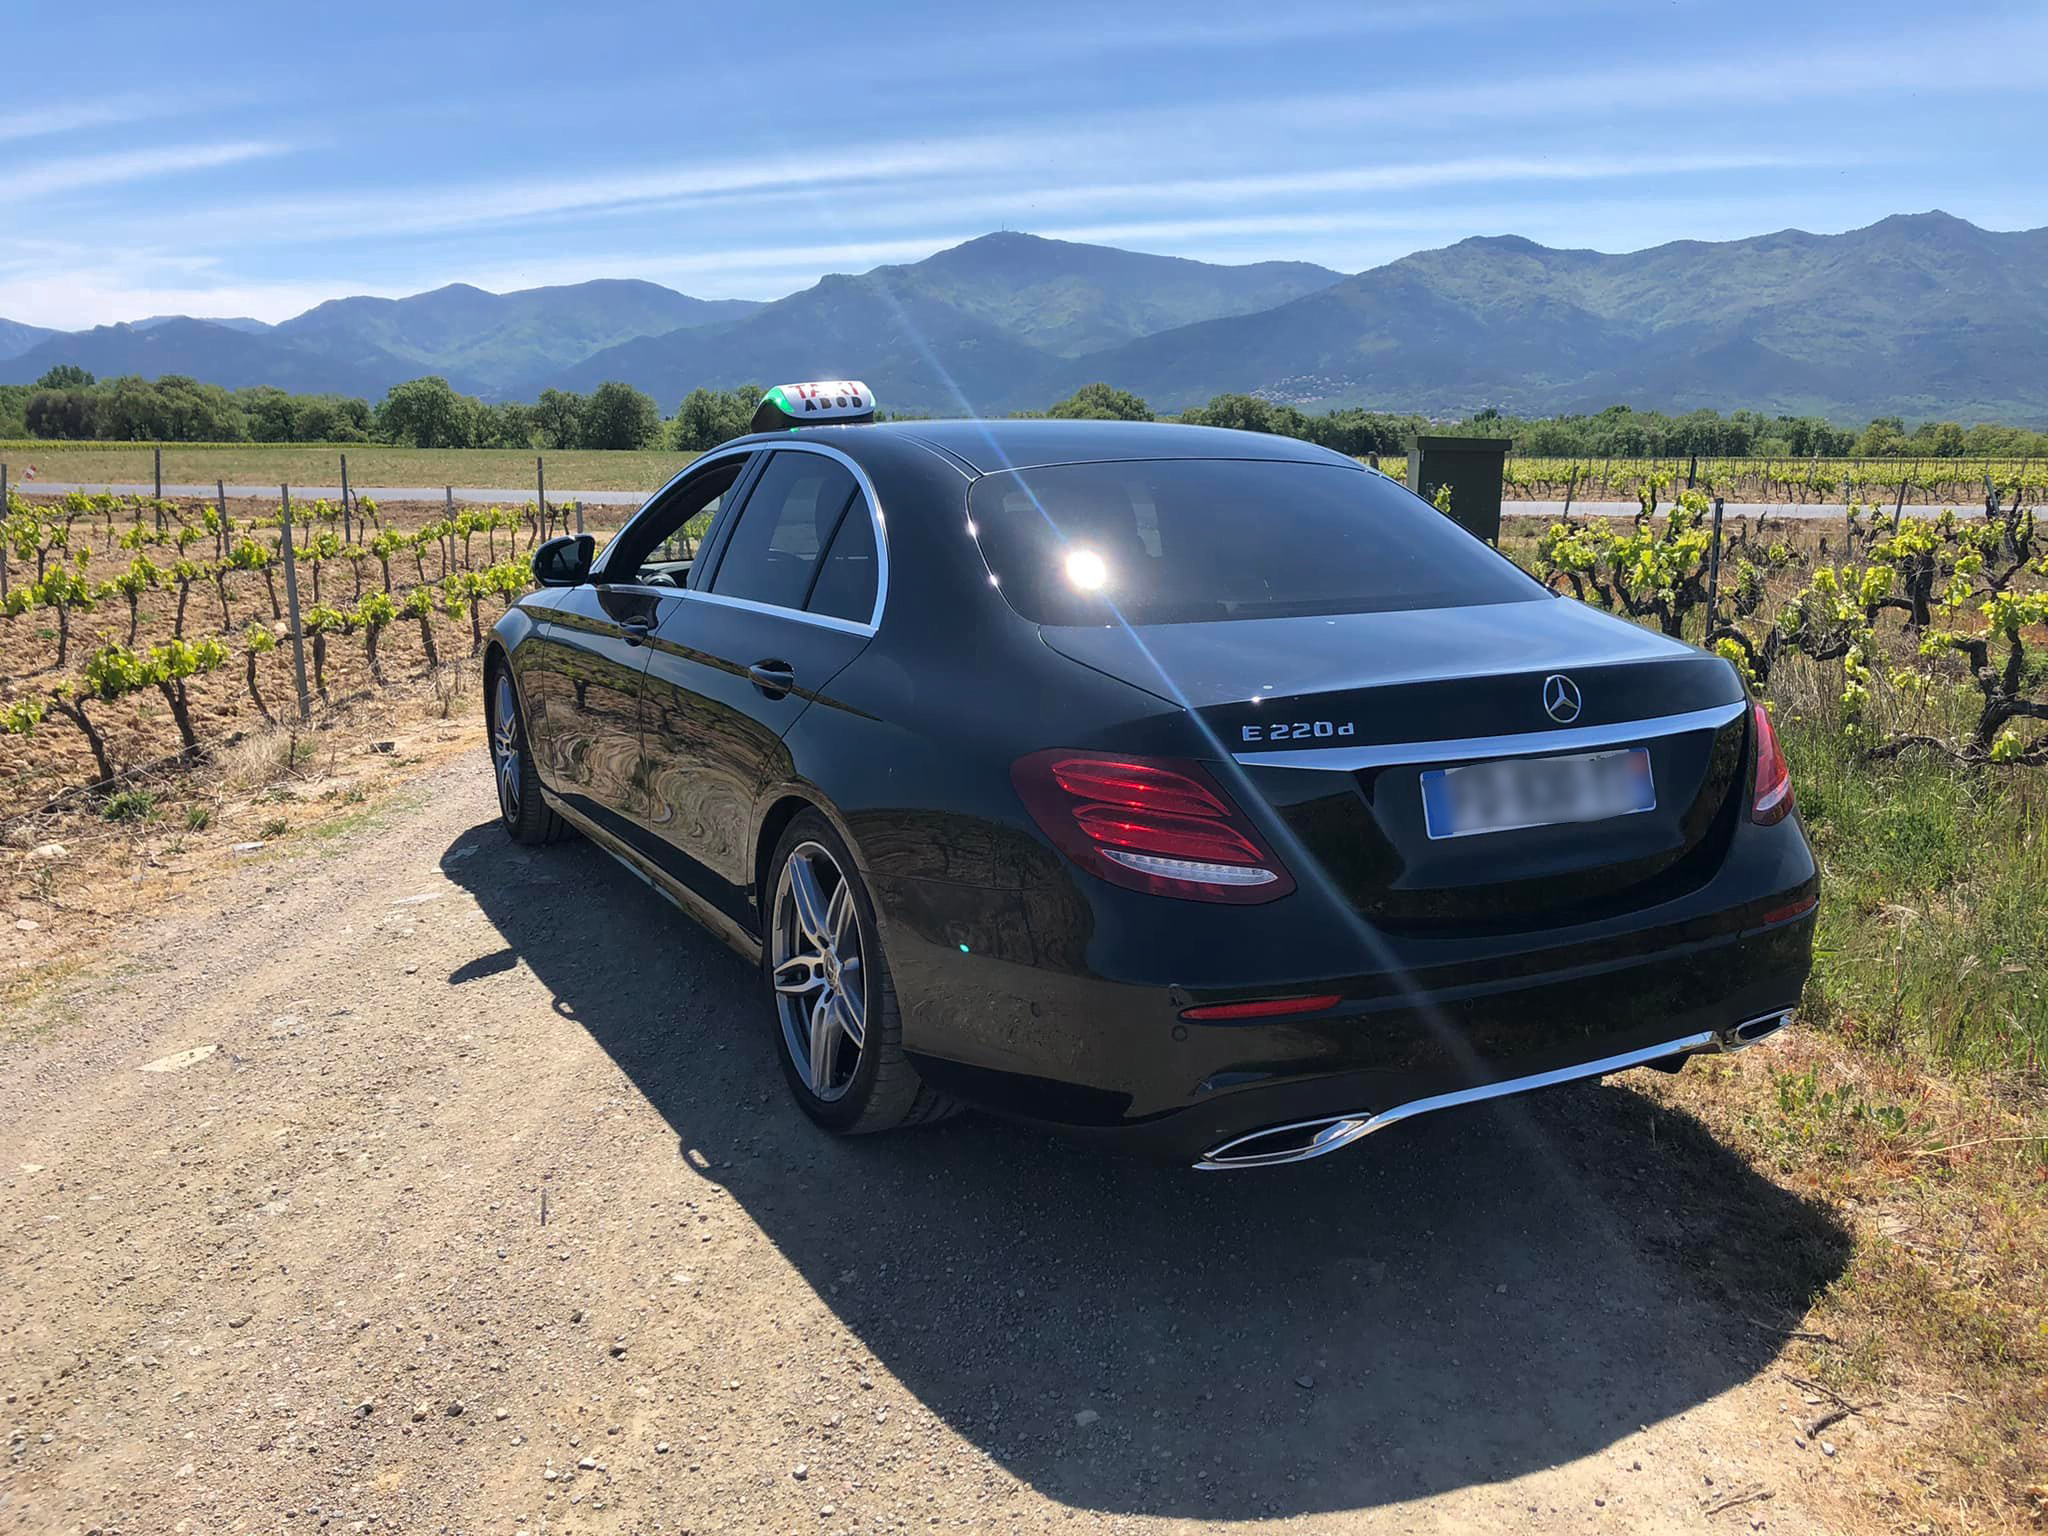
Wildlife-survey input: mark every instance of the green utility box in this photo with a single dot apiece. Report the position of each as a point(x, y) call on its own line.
point(1473, 467)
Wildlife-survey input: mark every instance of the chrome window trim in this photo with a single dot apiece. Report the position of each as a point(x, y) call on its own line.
point(1522, 744)
point(640, 511)
point(823, 620)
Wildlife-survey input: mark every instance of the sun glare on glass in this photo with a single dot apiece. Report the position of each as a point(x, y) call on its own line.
point(1087, 570)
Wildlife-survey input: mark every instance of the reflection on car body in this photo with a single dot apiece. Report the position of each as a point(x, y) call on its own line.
point(1108, 774)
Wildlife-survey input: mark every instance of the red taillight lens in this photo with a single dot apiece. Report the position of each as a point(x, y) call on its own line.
point(1150, 825)
point(1786, 913)
point(1773, 774)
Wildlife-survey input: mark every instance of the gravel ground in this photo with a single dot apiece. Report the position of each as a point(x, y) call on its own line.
point(423, 1183)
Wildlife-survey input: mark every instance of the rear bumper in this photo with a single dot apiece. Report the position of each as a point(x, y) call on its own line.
point(1375, 1062)
point(1006, 1004)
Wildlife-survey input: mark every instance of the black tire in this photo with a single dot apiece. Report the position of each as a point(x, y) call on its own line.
point(883, 1091)
point(520, 806)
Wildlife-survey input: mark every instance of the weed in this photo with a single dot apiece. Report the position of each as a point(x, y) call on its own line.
point(131, 805)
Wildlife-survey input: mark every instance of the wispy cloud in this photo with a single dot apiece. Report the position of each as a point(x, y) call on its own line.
point(59, 116)
point(1027, 206)
point(1118, 39)
point(128, 165)
point(433, 209)
point(895, 185)
point(1907, 61)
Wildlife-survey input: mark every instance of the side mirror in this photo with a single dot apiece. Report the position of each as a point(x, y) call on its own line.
point(564, 562)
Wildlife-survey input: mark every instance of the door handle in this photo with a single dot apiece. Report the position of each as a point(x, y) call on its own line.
point(774, 678)
point(637, 630)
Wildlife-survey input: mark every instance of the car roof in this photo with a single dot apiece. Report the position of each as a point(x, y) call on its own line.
point(987, 447)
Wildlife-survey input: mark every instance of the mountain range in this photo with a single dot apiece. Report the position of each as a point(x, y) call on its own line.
point(1917, 315)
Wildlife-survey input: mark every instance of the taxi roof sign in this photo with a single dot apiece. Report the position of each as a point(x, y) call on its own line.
point(833, 402)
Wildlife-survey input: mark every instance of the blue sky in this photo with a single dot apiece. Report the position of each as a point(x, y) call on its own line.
point(224, 159)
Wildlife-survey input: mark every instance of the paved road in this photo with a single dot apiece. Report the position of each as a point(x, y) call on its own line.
point(500, 495)
point(503, 495)
point(489, 1211)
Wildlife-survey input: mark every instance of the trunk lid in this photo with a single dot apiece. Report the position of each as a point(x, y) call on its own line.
point(1333, 720)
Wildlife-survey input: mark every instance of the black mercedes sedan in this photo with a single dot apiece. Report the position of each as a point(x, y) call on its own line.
point(1203, 790)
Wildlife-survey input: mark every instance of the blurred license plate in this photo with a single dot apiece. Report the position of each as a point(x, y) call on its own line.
point(1536, 792)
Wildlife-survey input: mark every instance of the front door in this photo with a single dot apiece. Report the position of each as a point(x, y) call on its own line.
point(584, 690)
point(595, 656)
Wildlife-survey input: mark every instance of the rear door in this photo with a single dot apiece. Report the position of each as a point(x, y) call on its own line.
point(792, 593)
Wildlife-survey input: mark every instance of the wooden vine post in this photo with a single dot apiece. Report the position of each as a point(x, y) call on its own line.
point(291, 597)
point(3, 538)
point(347, 536)
point(220, 502)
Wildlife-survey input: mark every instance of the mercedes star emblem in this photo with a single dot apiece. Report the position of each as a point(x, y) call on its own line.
point(1561, 698)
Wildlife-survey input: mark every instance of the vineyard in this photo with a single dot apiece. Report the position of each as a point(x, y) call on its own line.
point(1906, 657)
point(141, 634)
point(1906, 661)
point(1818, 482)
point(1934, 623)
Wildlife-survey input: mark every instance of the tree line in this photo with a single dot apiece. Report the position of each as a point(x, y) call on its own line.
point(1617, 432)
point(68, 403)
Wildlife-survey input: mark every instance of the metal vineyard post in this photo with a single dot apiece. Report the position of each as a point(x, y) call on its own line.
point(1714, 571)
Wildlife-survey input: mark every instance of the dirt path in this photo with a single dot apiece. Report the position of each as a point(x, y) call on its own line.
point(487, 1212)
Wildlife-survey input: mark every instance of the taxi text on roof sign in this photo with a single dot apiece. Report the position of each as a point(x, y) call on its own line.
point(837, 402)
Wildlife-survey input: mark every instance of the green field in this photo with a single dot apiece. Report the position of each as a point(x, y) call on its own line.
point(1921, 482)
point(369, 464)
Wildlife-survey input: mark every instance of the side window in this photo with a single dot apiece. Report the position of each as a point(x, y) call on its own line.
point(788, 520)
point(659, 546)
point(846, 582)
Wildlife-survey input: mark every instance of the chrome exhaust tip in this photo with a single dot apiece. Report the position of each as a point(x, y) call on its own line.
point(1751, 1031)
point(1285, 1144)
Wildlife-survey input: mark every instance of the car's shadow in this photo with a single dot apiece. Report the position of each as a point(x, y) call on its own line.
point(1462, 1300)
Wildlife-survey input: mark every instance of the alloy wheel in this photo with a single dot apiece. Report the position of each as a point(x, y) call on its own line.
point(505, 746)
point(816, 965)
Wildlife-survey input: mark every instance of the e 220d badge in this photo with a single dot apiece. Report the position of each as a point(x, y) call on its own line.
point(1298, 730)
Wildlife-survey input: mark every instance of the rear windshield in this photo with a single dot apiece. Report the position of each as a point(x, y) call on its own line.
point(1180, 541)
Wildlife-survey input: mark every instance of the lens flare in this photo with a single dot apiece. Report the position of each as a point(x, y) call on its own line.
point(1087, 570)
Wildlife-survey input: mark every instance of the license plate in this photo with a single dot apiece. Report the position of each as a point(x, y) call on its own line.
point(1536, 792)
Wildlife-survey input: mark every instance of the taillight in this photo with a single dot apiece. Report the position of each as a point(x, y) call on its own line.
point(1773, 774)
point(1149, 824)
